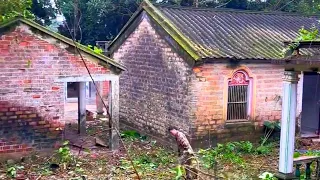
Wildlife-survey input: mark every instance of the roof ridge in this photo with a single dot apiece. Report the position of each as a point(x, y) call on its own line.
point(167, 25)
point(233, 10)
point(62, 38)
point(170, 28)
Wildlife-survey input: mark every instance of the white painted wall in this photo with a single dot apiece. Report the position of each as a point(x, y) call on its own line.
point(299, 94)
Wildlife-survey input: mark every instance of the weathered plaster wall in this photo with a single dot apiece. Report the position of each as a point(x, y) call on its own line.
point(31, 102)
point(154, 89)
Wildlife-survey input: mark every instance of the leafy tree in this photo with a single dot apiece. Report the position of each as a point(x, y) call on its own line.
point(44, 12)
point(12, 8)
point(307, 7)
point(237, 4)
point(41, 10)
point(186, 2)
point(103, 19)
point(96, 19)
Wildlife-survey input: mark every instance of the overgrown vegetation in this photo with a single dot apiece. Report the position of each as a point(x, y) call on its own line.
point(13, 8)
point(311, 34)
point(307, 153)
point(267, 143)
point(95, 49)
point(303, 35)
point(230, 160)
point(147, 163)
point(231, 152)
point(12, 171)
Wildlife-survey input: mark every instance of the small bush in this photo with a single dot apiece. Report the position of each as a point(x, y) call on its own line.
point(265, 149)
point(208, 157)
point(267, 176)
point(296, 154)
point(132, 135)
point(229, 152)
point(244, 147)
point(64, 153)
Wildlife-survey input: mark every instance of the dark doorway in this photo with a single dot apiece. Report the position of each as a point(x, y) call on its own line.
point(310, 104)
point(72, 90)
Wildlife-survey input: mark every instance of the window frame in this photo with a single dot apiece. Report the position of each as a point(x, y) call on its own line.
point(249, 101)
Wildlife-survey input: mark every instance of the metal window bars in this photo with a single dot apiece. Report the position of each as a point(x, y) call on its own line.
point(237, 102)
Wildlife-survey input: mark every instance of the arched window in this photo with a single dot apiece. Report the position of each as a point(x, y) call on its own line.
point(238, 96)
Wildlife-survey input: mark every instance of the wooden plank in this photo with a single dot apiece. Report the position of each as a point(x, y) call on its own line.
point(114, 111)
point(305, 159)
point(99, 142)
point(102, 77)
point(99, 100)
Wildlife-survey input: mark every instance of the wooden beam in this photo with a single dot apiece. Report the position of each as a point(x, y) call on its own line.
point(99, 101)
point(82, 108)
point(302, 67)
point(114, 112)
point(102, 77)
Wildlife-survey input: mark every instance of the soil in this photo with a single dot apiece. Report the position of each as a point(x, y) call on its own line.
point(97, 162)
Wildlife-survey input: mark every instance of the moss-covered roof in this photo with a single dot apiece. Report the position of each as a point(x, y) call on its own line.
point(102, 58)
point(225, 33)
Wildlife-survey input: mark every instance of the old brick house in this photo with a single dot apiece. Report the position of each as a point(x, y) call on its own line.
point(210, 72)
point(36, 65)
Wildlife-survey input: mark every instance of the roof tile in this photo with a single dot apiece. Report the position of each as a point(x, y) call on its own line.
point(216, 33)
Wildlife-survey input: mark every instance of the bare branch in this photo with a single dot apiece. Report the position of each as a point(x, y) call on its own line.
point(285, 5)
point(223, 4)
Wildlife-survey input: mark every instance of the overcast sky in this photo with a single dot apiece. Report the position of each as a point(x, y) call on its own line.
point(60, 17)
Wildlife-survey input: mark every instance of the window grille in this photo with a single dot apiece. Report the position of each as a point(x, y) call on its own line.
point(238, 89)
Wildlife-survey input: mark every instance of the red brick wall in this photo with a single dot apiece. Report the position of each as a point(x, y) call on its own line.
point(154, 88)
point(159, 89)
point(30, 98)
point(209, 98)
point(23, 130)
point(106, 88)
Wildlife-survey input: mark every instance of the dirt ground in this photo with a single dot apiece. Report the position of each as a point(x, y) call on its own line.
point(151, 160)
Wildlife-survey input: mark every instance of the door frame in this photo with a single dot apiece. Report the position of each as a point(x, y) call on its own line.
point(316, 95)
point(75, 99)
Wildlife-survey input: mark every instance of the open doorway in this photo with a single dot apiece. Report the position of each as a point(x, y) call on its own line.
point(310, 115)
point(72, 92)
point(80, 130)
point(92, 100)
point(71, 103)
